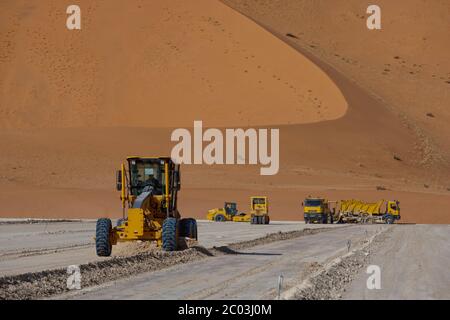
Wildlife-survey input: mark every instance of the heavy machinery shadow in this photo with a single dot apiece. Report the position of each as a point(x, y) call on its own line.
point(228, 250)
point(203, 251)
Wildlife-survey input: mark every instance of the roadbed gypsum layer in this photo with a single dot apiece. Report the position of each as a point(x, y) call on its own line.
point(329, 281)
point(48, 283)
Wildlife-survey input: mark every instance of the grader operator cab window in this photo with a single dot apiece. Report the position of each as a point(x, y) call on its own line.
point(146, 174)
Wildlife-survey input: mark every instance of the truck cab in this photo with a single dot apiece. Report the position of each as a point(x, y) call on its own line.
point(317, 210)
point(392, 211)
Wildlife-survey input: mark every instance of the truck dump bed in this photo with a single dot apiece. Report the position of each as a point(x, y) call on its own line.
point(356, 211)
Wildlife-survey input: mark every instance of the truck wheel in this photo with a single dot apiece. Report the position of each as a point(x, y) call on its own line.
point(389, 219)
point(267, 220)
point(329, 219)
point(188, 228)
point(253, 220)
point(103, 231)
point(219, 218)
point(170, 234)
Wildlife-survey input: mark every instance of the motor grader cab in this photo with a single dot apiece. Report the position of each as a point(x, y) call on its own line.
point(259, 210)
point(317, 210)
point(149, 192)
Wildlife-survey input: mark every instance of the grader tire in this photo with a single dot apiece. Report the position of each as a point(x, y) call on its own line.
point(170, 234)
point(103, 244)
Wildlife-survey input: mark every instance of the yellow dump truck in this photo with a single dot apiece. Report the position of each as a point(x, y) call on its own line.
point(321, 210)
point(356, 211)
point(317, 210)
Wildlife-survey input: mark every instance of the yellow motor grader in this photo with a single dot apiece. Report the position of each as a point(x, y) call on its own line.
point(149, 190)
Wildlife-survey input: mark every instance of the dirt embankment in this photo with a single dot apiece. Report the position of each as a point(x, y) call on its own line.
point(329, 282)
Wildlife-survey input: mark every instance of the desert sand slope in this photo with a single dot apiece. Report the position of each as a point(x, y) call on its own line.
point(152, 64)
point(120, 87)
point(73, 104)
point(405, 65)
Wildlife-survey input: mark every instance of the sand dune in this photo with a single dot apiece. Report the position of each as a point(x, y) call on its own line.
point(153, 64)
point(405, 65)
point(73, 105)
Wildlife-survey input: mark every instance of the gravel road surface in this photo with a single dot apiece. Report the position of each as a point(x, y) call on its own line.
point(415, 264)
point(245, 274)
point(31, 247)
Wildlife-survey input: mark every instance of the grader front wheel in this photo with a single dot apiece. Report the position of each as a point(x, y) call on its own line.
point(170, 234)
point(103, 244)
